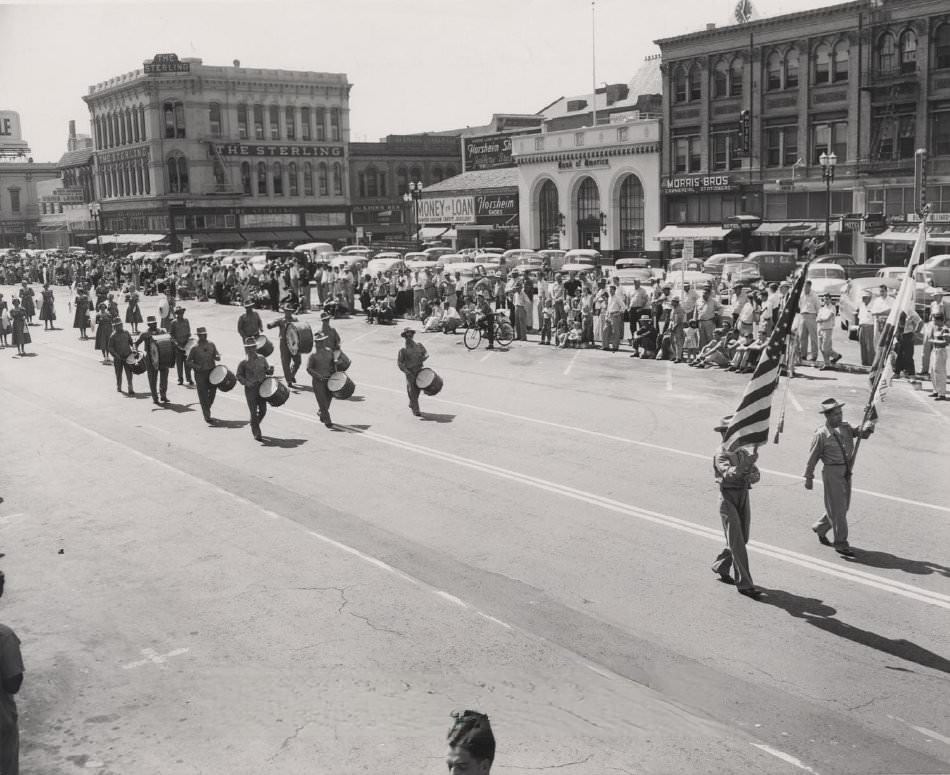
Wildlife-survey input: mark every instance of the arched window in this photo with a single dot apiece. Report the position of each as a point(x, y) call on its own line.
point(695, 83)
point(402, 180)
point(290, 122)
point(177, 174)
point(246, 177)
point(278, 179)
point(909, 52)
point(183, 174)
point(736, 77)
point(179, 120)
point(335, 124)
point(307, 179)
point(415, 175)
point(261, 179)
point(338, 179)
point(119, 183)
point(773, 72)
point(721, 79)
point(631, 214)
point(293, 185)
point(107, 131)
point(97, 127)
point(128, 124)
point(791, 69)
point(140, 178)
point(259, 122)
point(822, 64)
point(306, 132)
point(361, 183)
point(323, 179)
point(219, 174)
point(588, 214)
point(436, 174)
point(372, 182)
point(679, 85)
point(274, 120)
point(320, 115)
point(549, 221)
point(941, 46)
point(135, 125)
point(171, 165)
point(214, 119)
point(886, 52)
point(168, 114)
point(147, 177)
point(840, 62)
point(121, 133)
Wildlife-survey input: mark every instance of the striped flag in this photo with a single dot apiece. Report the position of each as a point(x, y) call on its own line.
point(750, 423)
point(744, 11)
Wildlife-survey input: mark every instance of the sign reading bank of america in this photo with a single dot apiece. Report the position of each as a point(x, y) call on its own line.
point(447, 209)
point(290, 151)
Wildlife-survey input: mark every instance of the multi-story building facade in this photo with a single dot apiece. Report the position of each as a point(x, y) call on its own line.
point(380, 174)
point(20, 177)
point(868, 81)
point(221, 155)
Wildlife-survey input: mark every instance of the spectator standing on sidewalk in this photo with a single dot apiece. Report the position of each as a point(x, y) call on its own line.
point(866, 329)
point(808, 307)
point(826, 329)
point(938, 369)
point(909, 324)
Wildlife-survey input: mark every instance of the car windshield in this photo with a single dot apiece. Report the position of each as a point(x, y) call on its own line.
point(831, 272)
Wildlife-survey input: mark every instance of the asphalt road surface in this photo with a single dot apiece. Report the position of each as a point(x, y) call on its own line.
point(537, 546)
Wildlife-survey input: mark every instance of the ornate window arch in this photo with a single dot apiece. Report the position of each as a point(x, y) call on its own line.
point(908, 50)
point(695, 82)
point(885, 53)
point(822, 60)
point(292, 180)
point(549, 216)
point(720, 79)
point(631, 213)
point(307, 179)
point(372, 182)
point(278, 179)
point(220, 177)
point(841, 61)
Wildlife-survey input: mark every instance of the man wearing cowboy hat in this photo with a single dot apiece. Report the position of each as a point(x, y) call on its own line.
point(203, 358)
point(251, 372)
point(249, 323)
point(735, 472)
point(833, 444)
point(157, 375)
point(120, 348)
point(289, 362)
point(180, 331)
point(411, 358)
point(320, 367)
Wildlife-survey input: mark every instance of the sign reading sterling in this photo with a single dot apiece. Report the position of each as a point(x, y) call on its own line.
point(166, 63)
point(448, 209)
point(308, 151)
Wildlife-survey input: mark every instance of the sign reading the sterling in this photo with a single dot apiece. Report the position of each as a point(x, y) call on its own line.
point(308, 151)
point(699, 184)
point(449, 209)
point(166, 63)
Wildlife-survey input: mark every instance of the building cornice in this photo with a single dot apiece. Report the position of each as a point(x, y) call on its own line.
point(594, 153)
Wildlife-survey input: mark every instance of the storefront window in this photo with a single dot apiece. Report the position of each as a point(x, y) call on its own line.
point(828, 137)
point(548, 215)
point(631, 214)
point(274, 115)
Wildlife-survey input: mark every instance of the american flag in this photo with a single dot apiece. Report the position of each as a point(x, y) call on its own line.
point(750, 423)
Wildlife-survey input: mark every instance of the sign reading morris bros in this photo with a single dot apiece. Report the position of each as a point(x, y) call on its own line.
point(448, 209)
point(487, 152)
point(699, 184)
point(309, 151)
point(166, 63)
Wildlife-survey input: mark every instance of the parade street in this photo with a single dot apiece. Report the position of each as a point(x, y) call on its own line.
point(537, 545)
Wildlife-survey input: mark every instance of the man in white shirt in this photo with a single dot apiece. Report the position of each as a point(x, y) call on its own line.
point(808, 307)
point(770, 308)
point(826, 328)
point(615, 309)
point(689, 300)
point(880, 308)
point(866, 329)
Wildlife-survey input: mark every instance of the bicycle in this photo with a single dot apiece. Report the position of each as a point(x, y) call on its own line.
point(504, 332)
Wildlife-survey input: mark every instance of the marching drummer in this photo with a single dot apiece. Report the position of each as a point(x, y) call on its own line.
point(287, 359)
point(320, 367)
point(157, 375)
point(251, 372)
point(120, 348)
point(332, 334)
point(202, 359)
point(411, 358)
point(249, 323)
point(180, 330)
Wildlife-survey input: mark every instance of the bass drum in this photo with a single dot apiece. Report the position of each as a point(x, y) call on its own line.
point(136, 360)
point(342, 361)
point(264, 346)
point(273, 391)
point(428, 382)
point(340, 385)
point(222, 378)
point(299, 338)
point(162, 351)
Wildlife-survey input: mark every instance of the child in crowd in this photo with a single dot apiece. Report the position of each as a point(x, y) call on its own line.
point(691, 341)
point(575, 336)
point(547, 320)
point(561, 337)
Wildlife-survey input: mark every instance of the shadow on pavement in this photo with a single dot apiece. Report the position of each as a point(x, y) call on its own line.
point(821, 615)
point(26, 355)
point(179, 408)
point(269, 441)
point(355, 428)
point(357, 399)
point(230, 423)
point(432, 417)
point(893, 562)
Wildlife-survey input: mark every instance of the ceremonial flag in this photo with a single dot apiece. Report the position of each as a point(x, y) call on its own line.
point(750, 423)
point(744, 11)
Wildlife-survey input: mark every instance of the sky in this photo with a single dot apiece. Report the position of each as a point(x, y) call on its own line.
point(415, 65)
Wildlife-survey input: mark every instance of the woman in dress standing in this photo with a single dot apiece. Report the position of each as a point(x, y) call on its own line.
point(103, 332)
point(5, 322)
point(81, 318)
point(47, 309)
point(21, 334)
point(27, 304)
point(133, 313)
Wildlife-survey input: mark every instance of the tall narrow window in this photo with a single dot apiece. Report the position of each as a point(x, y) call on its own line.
point(695, 83)
point(773, 72)
point(338, 179)
point(631, 214)
point(822, 64)
point(147, 178)
point(261, 179)
point(14, 199)
point(841, 60)
point(278, 179)
point(214, 119)
point(335, 125)
point(242, 121)
point(259, 122)
point(307, 179)
point(321, 121)
point(735, 78)
point(122, 134)
point(305, 131)
point(135, 124)
point(168, 112)
point(219, 174)
point(127, 118)
point(372, 182)
point(886, 53)
point(183, 174)
point(142, 124)
point(290, 122)
point(720, 79)
point(679, 85)
point(941, 46)
point(323, 179)
point(292, 183)
point(548, 215)
point(179, 119)
point(274, 113)
point(171, 165)
point(908, 52)
point(246, 177)
point(402, 180)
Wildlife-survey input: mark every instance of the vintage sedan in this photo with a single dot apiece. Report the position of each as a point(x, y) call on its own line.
point(935, 271)
point(827, 280)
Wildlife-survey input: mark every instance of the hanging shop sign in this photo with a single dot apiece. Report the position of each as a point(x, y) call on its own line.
point(497, 208)
point(699, 184)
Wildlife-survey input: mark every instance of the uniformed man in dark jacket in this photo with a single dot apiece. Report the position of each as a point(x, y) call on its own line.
point(180, 330)
point(203, 358)
point(320, 367)
point(249, 323)
point(410, 361)
point(120, 348)
point(289, 362)
point(251, 372)
point(157, 376)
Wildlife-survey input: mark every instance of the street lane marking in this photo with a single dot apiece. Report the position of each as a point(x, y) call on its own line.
point(485, 357)
point(362, 336)
point(669, 376)
point(153, 657)
point(791, 396)
point(785, 757)
point(647, 445)
point(571, 364)
point(924, 402)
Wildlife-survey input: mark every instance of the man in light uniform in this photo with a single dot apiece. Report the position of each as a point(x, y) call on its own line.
point(808, 306)
point(866, 329)
point(410, 360)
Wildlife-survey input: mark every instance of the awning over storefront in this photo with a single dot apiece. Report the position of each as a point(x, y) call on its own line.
point(432, 232)
point(294, 235)
point(220, 238)
point(937, 235)
point(677, 233)
point(263, 236)
point(795, 228)
point(128, 239)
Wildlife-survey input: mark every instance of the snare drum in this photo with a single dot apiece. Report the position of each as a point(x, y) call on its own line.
point(136, 360)
point(273, 391)
point(428, 382)
point(340, 385)
point(342, 360)
point(222, 378)
point(264, 346)
point(188, 346)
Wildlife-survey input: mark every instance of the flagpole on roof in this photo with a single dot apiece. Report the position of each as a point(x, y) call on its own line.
point(593, 60)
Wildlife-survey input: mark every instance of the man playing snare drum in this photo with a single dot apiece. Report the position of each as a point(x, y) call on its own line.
point(120, 348)
point(202, 359)
point(410, 361)
point(320, 368)
point(251, 372)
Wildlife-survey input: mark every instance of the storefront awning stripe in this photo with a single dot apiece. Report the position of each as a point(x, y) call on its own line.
point(909, 236)
point(674, 233)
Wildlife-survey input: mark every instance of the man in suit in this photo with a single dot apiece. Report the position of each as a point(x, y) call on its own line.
point(203, 358)
point(157, 375)
point(120, 348)
point(180, 331)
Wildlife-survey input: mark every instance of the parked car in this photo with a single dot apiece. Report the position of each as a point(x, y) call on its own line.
point(390, 264)
point(827, 279)
point(554, 258)
point(851, 299)
point(454, 258)
point(923, 291)
point(437, 252)
point(516, 256)
point(582, 256)
point(687, 264)
point(773, 267)
point(713, 265)
point(696, 280)
point(736, 273)
point(624, 276)
point(935, 271)
point(851, 267)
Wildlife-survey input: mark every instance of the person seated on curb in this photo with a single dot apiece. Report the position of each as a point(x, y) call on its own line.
point(451, 320)
point(740, 354)
point(752, 352)
point(386, 310)
point(560, 339)
point(575, 335)
point(644, 341)
point(720, 350)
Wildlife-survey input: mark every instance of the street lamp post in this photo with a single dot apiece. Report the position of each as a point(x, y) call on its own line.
point(414, 194)
point(94, 209)
point(828, 161)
